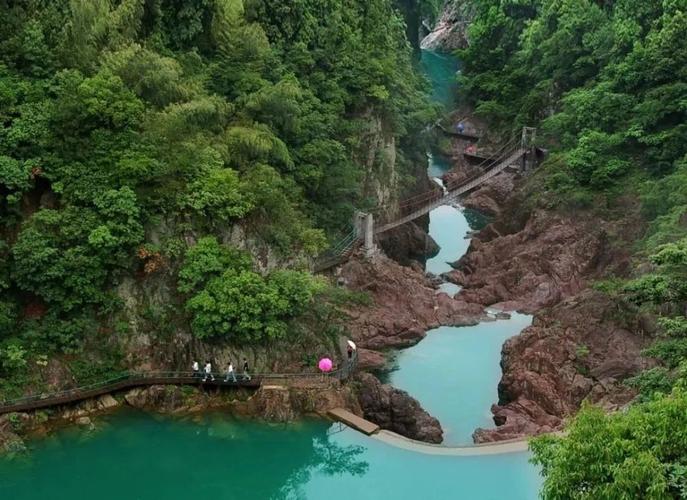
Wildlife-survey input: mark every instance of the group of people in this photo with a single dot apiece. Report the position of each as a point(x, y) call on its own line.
point(230, 374)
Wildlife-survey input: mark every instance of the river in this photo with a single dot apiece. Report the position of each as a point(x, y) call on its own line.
point(453, 372)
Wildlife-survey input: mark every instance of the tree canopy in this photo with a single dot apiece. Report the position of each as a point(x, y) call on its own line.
point(130, 129)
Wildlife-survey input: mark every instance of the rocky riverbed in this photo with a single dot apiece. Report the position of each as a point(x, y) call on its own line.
point(542, 261)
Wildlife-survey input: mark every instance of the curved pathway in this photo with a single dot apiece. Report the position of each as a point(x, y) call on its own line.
point(498, 448)
point(140, 379)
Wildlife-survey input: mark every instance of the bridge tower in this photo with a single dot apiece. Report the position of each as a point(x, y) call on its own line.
point(364, 226)
point(527, 142)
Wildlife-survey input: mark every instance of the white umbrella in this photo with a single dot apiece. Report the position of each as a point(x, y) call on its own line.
point(352, 344)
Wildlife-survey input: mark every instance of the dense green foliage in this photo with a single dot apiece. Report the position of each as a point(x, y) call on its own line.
point(229, 299)
point(603, 81)
point(129, 127)
point(638, 454)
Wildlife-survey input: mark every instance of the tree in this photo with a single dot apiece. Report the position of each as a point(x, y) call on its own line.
point(635, 454)
point(230, 300)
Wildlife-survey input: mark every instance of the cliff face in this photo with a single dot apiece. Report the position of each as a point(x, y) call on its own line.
point(450, 30)
point(377, 155)
point(382, 182)
point(578, 350)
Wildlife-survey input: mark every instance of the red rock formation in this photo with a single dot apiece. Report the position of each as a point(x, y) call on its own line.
point(572, 352)
point(540, 261)
point(404, 306)
point(538, 266)
point(395, 410)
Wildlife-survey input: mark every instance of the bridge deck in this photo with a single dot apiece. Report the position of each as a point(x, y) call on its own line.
point(354, 421)
point(45, 401)
point(453, 194)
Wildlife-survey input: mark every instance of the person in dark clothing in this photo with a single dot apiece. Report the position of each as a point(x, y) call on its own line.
point(245, 369)
point(349, 350)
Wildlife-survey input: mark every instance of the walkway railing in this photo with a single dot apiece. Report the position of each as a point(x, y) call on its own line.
point(424, 204)
point(338, 252)
point(130, 380)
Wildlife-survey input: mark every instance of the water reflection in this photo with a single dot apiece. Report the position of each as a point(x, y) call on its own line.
point(140, 457)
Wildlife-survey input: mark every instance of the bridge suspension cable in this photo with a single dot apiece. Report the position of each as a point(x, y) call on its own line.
point(415, 206)
point(409, 204)
point(494, 157)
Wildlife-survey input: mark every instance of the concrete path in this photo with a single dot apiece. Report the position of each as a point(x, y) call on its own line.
point(393, 439)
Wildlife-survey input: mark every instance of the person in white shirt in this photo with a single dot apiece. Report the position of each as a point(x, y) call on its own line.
point(230, 373)
point(208, 372)
point(196, 369)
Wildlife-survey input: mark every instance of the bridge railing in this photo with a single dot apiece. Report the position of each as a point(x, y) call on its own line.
point(413, 203)
point(452, 195)
point(336, 252)
point(129, 379)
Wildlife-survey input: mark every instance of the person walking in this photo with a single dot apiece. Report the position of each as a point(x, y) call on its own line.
point(208, 372)
point(230, 373)
point(245, 369)
point(349, 350)
point(196, 369)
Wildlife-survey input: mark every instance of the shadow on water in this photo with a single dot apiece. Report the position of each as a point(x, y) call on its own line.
point(441, 71)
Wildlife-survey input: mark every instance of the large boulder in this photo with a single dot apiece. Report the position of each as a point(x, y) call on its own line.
point(408, 242)
point(405, 304)
point(450, 31)
point(546, 261)
point(395, 410)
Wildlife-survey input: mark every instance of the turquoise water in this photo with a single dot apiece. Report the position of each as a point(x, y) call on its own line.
point(441, 70)
point(448, 226)
point(454, 373)
point(437, 166)
point(138, 457)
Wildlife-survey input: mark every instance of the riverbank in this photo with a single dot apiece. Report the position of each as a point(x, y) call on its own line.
point(542, 261)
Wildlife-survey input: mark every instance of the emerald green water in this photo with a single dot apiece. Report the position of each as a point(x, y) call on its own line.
point(441, 70)
point(138, 457)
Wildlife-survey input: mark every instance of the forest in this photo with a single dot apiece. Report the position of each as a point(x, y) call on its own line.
point(606, 84)
point(138, 135)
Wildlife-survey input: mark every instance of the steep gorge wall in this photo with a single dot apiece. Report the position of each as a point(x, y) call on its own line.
point(449, 32)
point(384, 183)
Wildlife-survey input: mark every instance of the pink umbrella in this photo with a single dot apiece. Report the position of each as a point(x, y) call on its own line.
point(325, 365)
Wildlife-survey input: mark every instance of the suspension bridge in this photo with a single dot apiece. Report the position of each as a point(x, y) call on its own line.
point(516, 152)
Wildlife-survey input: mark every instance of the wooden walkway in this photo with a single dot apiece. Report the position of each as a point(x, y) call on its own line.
point(141, 379)
point(354, 421)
